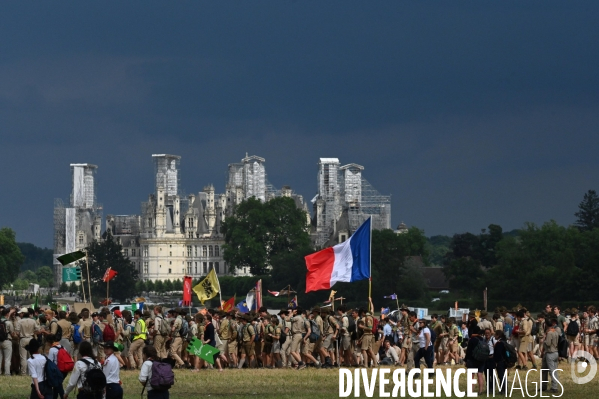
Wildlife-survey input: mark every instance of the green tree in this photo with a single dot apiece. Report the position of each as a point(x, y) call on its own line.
point(159, 286)
point(11, 257)
point(140, 287)
point(262, 234)
point(150, 286)
point(168, 285)
point(45, 273)
point(587, 217)
point(30, 276)
point(63, 287)
point(35, 257)
point(73, 287)
point(102, 255)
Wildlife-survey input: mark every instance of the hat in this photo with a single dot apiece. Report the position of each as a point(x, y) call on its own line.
point(316, 309)
point(471, 314)
point(404, 307)
point(23, 310)
point(483, 313)
point(95, 314)
point(110, 345)
point(33, 346)
point(118, 313)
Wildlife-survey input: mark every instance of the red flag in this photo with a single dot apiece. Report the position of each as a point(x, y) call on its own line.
point(187, 291)
point(229, 305)
point(259, 294)
point(109, 275)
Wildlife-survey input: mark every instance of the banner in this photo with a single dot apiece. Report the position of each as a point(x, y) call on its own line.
point(229, 305)
point(187, 291)
point(71, 274)
point(207, 288)
point(70, 258)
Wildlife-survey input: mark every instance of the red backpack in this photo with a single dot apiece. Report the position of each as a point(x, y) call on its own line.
point(108, 334)
point(64, 361)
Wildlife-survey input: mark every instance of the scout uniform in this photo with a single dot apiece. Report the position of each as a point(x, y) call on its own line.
point(367, 337)
point(248, 332)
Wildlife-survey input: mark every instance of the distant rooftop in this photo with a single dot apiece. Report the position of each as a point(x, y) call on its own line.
point(85, 165)
point(166, 156)
point(329, 160)
point(352, 165)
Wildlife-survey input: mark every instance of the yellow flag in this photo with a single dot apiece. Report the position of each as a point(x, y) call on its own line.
point(207, 288)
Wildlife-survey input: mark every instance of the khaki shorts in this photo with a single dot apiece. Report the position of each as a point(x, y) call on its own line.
point(308, 348)
point(296, 343)
point(453, 347)
point(438, 343)
point(232, 346)
point(327, 344)
point(406, 343)
point(224, 348)
point(248, 348)
point(525, 346)
point(572, 339)
point(367, 341)
point(346, 342)
point(593, 340)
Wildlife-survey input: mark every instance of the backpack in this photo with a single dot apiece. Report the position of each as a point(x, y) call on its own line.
point(3, 332)
point(97, 334)
point(233, 331)
point(52, 374)
point(534, 329)
point(184, 330)
point(163, 377)
point(507, 329)
point(257, 329)
point(58, 334)
point(433, 335)
point(94, 380)
point(240, 332)
point(511, 356)
point(315, 331)
point(64, 361)
point(77, 338)
point(108, 334)
point(562, 347)
point(351, 328)
point(334, 324)
point(481, 351)
point(164, 329)
point(572, 329)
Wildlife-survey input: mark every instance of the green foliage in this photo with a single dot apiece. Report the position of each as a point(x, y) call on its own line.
point(30, 276)
point(140, 286)
point(20, 284)
point(11, 257)
point(587, 217)
point(159, 286)
point(262, 234)
point(63, 287)
point(73, 287)
point(168, 286)
point(150, 285)
point(438, 247)
point(105, 254)
point(35, 257)
point(45, 273)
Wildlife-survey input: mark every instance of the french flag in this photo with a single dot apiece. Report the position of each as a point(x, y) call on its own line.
point(345, 262)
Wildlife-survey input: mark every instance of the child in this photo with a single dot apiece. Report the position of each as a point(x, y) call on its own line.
point(112, 370)
point(40, 389)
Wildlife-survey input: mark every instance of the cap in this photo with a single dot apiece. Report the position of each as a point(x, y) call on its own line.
point(95, 314)
point(118, 313)
point(23, 310)
point(110, 345)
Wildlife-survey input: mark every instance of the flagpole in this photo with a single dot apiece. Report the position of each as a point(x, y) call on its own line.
point(397, 301)
point(288, 293)
point(88, 282)
point(370, 264)
point(107, 286)
point(220, 292)
point(82, 289)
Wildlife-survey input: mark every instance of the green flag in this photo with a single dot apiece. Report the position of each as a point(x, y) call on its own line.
point(70, 258)
point(204, 351)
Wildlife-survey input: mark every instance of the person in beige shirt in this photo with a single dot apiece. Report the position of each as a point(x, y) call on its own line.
point(526, 339)
point(177, 344)
point(159, 339)
point(27, 329)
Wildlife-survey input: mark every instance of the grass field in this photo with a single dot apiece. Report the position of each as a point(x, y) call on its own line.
point(307, 383)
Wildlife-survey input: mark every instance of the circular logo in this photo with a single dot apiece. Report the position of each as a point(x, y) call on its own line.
point(582, 367)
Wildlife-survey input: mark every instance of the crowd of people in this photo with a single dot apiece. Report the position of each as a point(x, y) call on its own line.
point(103, 343)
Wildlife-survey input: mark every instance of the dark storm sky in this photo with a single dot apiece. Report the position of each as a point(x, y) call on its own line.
point(468, 113)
